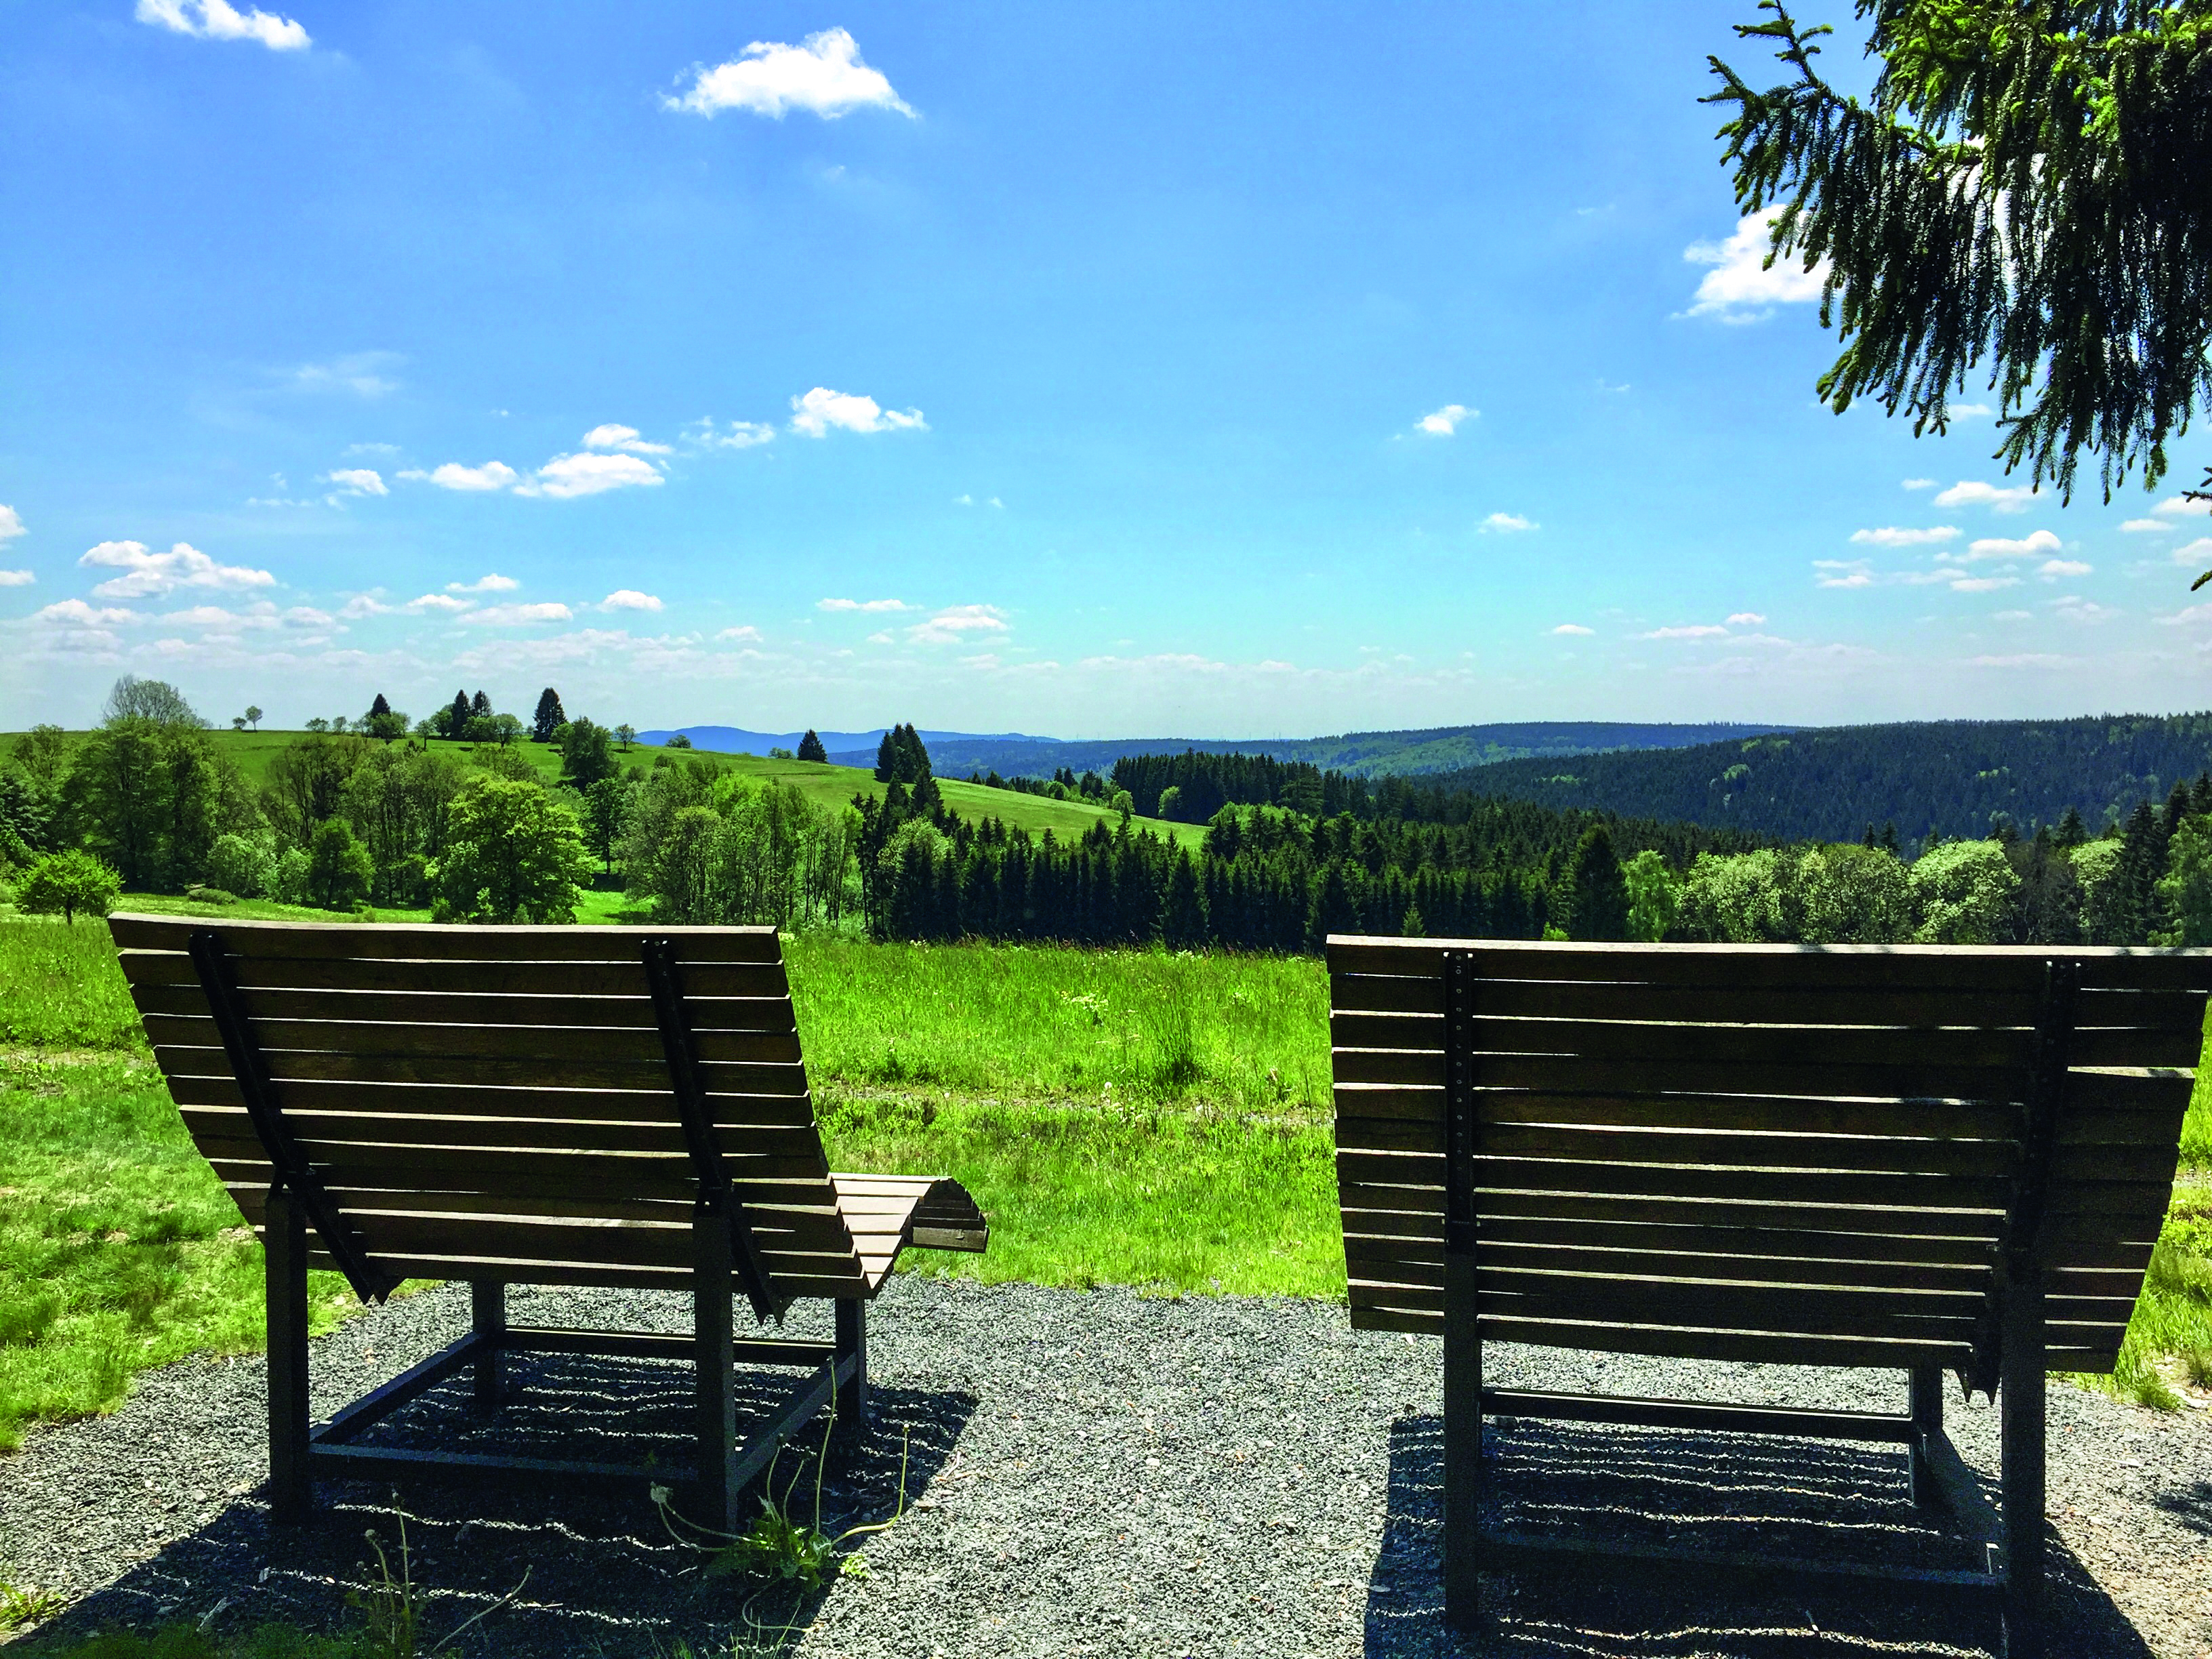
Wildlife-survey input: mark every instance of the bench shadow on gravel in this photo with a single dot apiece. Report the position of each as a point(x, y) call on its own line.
point(603, 1576)
point(1809, 1499)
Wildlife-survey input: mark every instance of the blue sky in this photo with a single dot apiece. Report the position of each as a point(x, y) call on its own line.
point(1093, 371)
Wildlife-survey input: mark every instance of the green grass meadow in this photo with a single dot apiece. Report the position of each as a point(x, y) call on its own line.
point(1125, 1117)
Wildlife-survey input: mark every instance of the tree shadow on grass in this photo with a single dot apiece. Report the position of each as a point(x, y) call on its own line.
point(557, 1571)
point(1818, 1500)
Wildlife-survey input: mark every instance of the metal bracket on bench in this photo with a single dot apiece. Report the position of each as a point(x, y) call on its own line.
point(370, 1283)
point(2013, 1255)
point(691, 1090)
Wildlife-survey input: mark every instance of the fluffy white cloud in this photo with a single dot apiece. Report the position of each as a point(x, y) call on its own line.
point(1746, 619)
point(1900, 535)
point(365, 605)
point(1741, 288)
point(2042, 543)
point(11, 525)
point(1443, 422)
point(1507, 523)
point(2015, 616)
point(218, 20)
point(1573, 628)
point(1971, 492)
point(951, 626)
point(1919, 483)
point(492, 475)
point(821, 409)
point(2198, 553)
point(823, 75)
point(2146, 526)
point(2181, 506)
point(622, 437)
point(17, 578)
point(445, 602)
point(1690, 631)
point(1982, 584)
point(1970, 411)
point(147, 573)
point(861, 605)
point(358, 481)
point(628, 599)
point(511, 616)
point(76, 613)
point(744, 634)
point(2052, 569)
point(491, 583)
point(590, 473)
point(1843, 573)
point(742, 434)
point(2075, 609)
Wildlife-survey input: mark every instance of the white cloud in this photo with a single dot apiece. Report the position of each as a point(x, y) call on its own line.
point(746, 634)
point(1982, 584)
point(1507, 523)
point(372, 449)
point(862, 605)
point(821, 409)
point(1970, 411)
point(824, 76)
point(2022, 659)
point(2180, 506)
point(492, 475)
point(1573, 628)
point(591, 473)
point(1969, 492)
point(1898, 536)
point(358, 481)
point(2198, 552)
point(742, 434)
point(1919, 483)
point(881, 639)
point(2015, 616)
point(2042, 543)
point(511, 616)
point(1690, 631)
point(951, 625)
point(17, 578)
point(1741, 288)
point(628, 599)
point(76, 613)
point(2052, 569)
point(365, 605)
point(2146, 526)
point(2191, 614)
point(624, 438)
point(2075, 609)
point(218, 20)
point(1746, 619)
point(493, 583)
point(1843, 573)
point(359, 372)
point(445, 602)
point(1443, 422)
point(11, 525)
point(147, 573)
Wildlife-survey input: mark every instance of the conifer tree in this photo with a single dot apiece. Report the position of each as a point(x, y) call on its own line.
point(1597, 892)
point(811, 749)
point(548, 717)
point(457, 717)
point(480, 707)
point(887, 758)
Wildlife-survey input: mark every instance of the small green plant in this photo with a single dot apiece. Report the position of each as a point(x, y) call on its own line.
point(2196, 1365)
point(20, 1606)
point(392, 1614)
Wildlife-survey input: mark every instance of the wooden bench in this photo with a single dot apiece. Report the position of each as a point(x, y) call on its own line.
point(595, 1106)
point(1930, 1158)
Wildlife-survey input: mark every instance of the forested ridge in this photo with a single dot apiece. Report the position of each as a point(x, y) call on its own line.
point(1948, 778)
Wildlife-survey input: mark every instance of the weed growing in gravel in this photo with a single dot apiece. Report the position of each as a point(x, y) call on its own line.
point(389, 1609)
point(20, 1606)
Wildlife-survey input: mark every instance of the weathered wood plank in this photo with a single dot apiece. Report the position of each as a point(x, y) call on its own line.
point(433, 941)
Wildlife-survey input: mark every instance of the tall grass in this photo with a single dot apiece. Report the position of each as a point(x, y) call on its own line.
point(60, 988)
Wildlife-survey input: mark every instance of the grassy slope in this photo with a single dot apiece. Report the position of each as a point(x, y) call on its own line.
point(828, 786)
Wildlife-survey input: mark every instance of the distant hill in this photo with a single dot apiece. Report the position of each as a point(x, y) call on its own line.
point(1368, 754)
point(1951, 777)
point(844, 748)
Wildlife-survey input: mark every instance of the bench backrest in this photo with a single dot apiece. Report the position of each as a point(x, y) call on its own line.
point(497, 1102)
point(1765, 1153)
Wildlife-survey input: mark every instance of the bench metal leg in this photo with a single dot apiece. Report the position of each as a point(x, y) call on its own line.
point(2020, 1415)
point(488, 1319)
point(852, 1350)
point(1462, 1442)
point(1927, 1424)
point(291, 1488)
point(714, 1346)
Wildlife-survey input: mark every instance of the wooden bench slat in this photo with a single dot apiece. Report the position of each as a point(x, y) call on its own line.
point(721, 1077)
point(434, 941)
point(1783, 1114)
point(1625, 1039)
point(1694, 1076)
point(1800, 1242)
point(1369, 1257)
point(762, 1013)
point(740, 981)
point(548, 1046)
point(1947, 1193)
point(731, 1111)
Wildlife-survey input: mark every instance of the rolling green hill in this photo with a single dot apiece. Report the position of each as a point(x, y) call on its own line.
point(831, 785)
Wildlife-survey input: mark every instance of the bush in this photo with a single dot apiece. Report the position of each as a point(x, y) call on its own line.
point(62, 883)
point(241, 867)
point(210, 895)
point(289, 885)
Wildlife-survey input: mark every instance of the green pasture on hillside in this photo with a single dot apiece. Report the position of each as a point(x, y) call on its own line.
point(825, 785)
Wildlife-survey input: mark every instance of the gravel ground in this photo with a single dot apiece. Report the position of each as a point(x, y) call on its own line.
point(1091, 1473)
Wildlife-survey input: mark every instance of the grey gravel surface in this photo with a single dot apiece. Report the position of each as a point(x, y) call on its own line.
point(1091, 1473)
